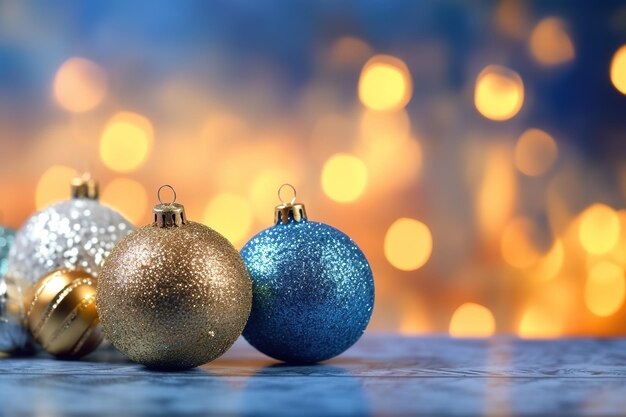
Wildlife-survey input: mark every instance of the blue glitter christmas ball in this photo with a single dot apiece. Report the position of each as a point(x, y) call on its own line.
point(313, 291)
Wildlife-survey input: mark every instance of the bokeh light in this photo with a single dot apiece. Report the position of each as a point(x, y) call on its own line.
point(408, 244)
point(499, 93)
point(385, 83)
point(231, 215)
point(618, 253)
point(54, 185)
point(472, 320)
point(605, 289)
point(126, 142)
point(129, 197)
point(599, 229)
point(535, 152)
point(550, 43)
point(391, 129)
point(516, 243)
point(497, 192)
point(618, 69)
point(348, 51)
point(393, 158)
point(551, 263)
point(538, 322)
point(344, 177)
point(79, 85)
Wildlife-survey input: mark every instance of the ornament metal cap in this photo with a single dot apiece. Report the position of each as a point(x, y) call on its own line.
point(289, 210)
point(85, 187)
point(168, 214)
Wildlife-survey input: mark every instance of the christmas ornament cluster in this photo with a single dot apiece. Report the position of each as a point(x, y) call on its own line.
point(175, 294)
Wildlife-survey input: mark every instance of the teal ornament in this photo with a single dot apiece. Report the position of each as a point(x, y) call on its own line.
point(313, 289)
point(13, 336)
point(6, 240)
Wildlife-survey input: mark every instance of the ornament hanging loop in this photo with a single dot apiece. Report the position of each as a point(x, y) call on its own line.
point(159, 193)
point(295, 194)
point(168, 214)
point(289, 211)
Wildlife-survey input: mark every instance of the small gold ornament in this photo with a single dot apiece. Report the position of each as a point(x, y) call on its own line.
point(61, 313)
point(173, 294)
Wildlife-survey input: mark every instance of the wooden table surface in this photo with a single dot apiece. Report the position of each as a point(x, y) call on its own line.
point(380, 375)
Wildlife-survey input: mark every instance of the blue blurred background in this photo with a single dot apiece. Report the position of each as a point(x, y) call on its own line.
point(474, 150)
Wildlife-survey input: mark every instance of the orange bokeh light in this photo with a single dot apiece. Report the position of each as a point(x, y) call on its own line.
point(499, 93)
point(79, 85)
point(472, 320)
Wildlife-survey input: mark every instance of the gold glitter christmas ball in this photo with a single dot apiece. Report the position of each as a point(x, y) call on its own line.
point(61, 313)
point(174, 294)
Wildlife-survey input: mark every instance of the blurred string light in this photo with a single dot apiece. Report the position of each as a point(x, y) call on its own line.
point(497, 192)
point(512, 17)
point(618, 69)
point(618, 252)
point(535, 152)
point(79, 85)
point(599, 229)
point(231, 215)
point(499, 93)
point(538, 322)
point(54, 185)
point(126, 141)
point(516, 243)
point(344, 177)
point(348, 51)
point(408, 244)
point(472, 320)
point(393, 158)
point(550, 43)
point(605, 289)
point(385, 84)
point(549, 265)
point(385, 129)
point(129, 197)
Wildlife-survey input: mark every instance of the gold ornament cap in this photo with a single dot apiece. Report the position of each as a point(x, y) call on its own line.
point(85, 187)
point(289, 210)
point(61, 313)
point(168, 214)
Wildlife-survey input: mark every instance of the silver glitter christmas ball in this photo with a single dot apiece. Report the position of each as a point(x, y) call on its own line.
point(78, 233)
point(75, 234)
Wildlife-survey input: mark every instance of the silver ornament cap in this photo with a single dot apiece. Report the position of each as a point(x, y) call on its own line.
point(85, 187)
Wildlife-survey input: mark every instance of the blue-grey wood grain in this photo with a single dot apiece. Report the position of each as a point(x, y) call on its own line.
point(380, 375)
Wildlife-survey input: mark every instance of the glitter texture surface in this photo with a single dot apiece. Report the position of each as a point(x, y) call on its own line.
point(12, 335)
point(313, 291)
point(77, 233)
point(174, 297)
